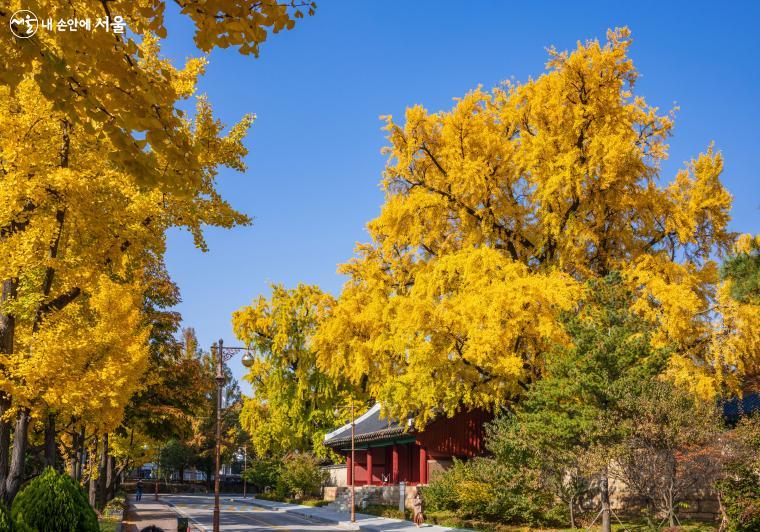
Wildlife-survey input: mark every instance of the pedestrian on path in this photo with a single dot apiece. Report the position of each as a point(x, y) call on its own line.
point(419, 512)
point(138, 490)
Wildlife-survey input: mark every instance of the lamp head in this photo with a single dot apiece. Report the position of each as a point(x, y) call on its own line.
point(247, 359)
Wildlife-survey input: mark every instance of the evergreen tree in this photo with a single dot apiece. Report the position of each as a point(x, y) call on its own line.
point(570, 420)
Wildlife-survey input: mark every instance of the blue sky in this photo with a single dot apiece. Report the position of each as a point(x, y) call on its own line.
point(315, 162)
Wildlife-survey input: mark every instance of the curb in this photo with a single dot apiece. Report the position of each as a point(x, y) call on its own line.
point(195, 524)
point(295, 511)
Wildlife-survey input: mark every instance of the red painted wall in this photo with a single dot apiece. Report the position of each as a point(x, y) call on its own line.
point(461, 436)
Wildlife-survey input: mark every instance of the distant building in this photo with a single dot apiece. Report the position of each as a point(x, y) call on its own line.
point(389, 451)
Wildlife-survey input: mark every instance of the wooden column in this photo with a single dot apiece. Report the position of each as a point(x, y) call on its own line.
point(423, 465)
point(369, 466)
point(394, 465)
point(349, 470)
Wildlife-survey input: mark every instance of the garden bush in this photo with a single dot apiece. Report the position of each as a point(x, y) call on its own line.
point(117, 504)
point(739, 488)
point(6, 523)
point(300, 476)
point(741, 499)
point(490, 490)
point(53, 503)
point(264, 473)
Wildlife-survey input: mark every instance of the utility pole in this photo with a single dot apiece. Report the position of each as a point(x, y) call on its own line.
point(353, 466)
point(218, 446)
point(158, 460)
point(248, 360)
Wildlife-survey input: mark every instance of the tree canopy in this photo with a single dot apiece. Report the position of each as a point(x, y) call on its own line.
point(294, 403)
point(117, 83)
point(498, 212)
point(97, 162)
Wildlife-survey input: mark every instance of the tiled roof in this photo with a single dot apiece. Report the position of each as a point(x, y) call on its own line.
point(368, 427)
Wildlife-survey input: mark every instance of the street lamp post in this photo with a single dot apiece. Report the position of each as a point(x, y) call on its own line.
point(245, 470)
point(353, 466)
point(222, 354)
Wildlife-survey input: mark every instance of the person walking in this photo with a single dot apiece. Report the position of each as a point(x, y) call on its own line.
point(138, 490)
point(419, 512)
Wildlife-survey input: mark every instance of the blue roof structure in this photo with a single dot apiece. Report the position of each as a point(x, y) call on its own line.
point(737, 407)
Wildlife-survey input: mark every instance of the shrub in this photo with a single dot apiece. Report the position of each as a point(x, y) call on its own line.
point(117, 504)
point(486, 489)
point(301, 476)
point(6, 523)
point(386, 511)
point(263, 473)
point(741, 500)
point(740, 488)
point(53, 503)
point(315, 503)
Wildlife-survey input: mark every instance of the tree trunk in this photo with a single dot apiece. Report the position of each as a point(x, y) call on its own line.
point(16, 472)
point(5, 443)
point(605, 492)
point(50, 447)
point(74, 456)
point(572, 512)
point(671, 481)
point(110, 478)
point(102, 475)
point(7, 334)
point(208, 478)
point(93, 488)
point(80, 459)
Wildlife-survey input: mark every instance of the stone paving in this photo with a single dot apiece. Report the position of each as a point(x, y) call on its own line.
point(164, 513)
point(326, 515)
point(149, 512)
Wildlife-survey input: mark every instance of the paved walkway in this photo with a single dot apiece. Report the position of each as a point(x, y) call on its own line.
point(149, 512)
point(163, 514)
point(325, 515)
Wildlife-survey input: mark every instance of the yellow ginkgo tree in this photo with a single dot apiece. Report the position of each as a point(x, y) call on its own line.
point(98, 76)
point(496, 215)
point(82, 237)
point(293, 403)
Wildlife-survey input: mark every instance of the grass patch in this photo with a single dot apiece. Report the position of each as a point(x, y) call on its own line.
point(308, 502)
point(391, 512)
point(452, 520)
point(268, 497)
point(317, 503)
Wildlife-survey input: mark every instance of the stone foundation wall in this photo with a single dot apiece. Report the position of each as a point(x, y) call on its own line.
point(371, 495)
point(701, 503)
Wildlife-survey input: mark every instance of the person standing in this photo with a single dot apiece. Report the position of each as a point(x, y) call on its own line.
point(419, 512)
point(139, 490)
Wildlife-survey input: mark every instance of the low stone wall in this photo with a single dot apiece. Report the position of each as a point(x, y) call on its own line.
point(370, 495)
point(701, 506)
point(329, 493)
